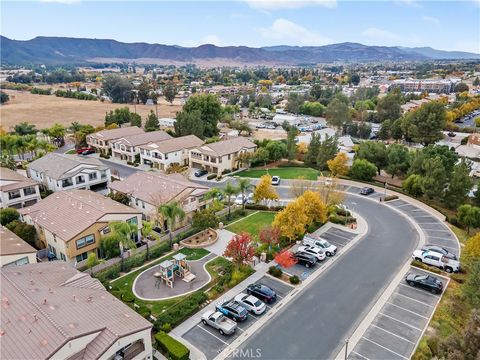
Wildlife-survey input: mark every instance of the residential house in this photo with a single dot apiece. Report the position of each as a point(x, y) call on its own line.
point(71, 223)
point(17, 191)
point(100, 140)
point(323, 133)
point(167, 122)
point(127, 147)
point(65, 172)
point(162, 154)
point(148, 190)
point(222, 156)
point(53, 311)
point(14, 250)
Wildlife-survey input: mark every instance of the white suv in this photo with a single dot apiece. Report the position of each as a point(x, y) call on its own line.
point(313, 250)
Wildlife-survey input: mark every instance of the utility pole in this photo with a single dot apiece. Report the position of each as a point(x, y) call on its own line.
point(346, 349)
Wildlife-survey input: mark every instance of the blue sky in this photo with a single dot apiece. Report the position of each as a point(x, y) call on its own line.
point(446, 25)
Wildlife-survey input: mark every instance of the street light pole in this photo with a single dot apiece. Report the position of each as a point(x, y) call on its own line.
point(346, 349)
point(385, 192)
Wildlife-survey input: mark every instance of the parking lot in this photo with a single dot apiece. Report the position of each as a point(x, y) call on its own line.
point(334, 236)
point(397, 328)
point(211, 343)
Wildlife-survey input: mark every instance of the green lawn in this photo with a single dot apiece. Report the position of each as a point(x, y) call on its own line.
point(71, 152)
point(284, 173)
point(253, 223)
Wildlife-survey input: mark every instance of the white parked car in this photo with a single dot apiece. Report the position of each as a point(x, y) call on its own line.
point(275, 180)
point(328, 248)
point(313, 250)
point(250, 199)
point(436, 259)
point(239, 200)
point(251, 303)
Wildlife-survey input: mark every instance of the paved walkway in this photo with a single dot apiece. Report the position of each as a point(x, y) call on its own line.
point(224, 236)
point(144, 285)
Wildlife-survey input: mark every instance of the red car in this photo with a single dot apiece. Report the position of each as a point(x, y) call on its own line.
point(82, 150)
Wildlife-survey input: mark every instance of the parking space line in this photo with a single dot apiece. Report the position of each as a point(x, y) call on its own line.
point(215, 336)
point(421, 291)
point(401, 204)
point(341, 236)
point(400, 321)
point(385, 348)
point(280, 296)
point(410, 311)
point(429, 223)
point(408, 297)
point(391, 333)
point(356, 353)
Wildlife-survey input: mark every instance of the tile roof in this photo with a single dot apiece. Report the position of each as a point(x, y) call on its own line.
point(144, 138)
point(174, 144)
point(11, 243)
point(228, 146)
point(155, 188)
point(14, 180)
point(67, 213)
point(42, 311)
point(116, 133)
point(59, 166)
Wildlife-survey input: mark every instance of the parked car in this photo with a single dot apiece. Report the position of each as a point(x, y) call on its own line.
point(251, 303)
point(81, 150)
point(218, 321)
point(262, 292)
point(367, 191)
point(319, 253)
point(275, 180)
point(200, 172)
point(328, 248)
point(436, 259)
point(240, 200)
point(88, 152)
point(250, 199)
point(427, 282)
point(232, 310)
point(440, 250)
point(451, 134)
point(305, 259)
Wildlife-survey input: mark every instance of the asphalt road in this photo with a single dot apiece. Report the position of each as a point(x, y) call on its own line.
point(315, 324)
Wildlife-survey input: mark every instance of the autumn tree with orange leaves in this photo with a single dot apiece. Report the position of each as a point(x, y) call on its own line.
point(240, 249)
point(285, 259)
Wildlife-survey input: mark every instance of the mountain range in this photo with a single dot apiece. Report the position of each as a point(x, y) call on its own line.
point(64, 50)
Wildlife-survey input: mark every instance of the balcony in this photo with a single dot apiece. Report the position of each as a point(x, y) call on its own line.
point(14, 195)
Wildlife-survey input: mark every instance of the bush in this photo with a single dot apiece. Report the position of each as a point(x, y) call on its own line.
point(263, 207)
point(219, 178)
point(390, 197)
point(211, 176)
point(128, 298)
point(24, 231)
point(180, 311)
point(108, 274)
point(144, 311)
point(341, 220)
point(226, 171)
point(275, 271)
point(363, 170)
point(8, 215)
point(173, 348)
point(294, 280)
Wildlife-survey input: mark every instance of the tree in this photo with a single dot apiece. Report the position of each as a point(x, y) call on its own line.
point(472, 247)
point(109, 247)
point(210, 112)
point(295, 101)
point(92, 260)
point(264, 190)
point(135, 120)
point(299, 186)
point(269, 235)
point(57, 132)
point(285, 259)
point(471, 290)
point(230, 190)
point(328, 149)
point(143, 91)
point(118, 88)
point(354, 79)
point(398, 160)
point(469, 216)
point(461, 87)
point(385, 131)
point(312, 108)
point(126, 232)
point(413, 185)
point(291, 143)
point(4, 97)
point(189, 123)
point(171, 212)
point(375, 152)
point(459, 185)
point(169, 92)
point(120, 197)
point(240, 249)
point(24, 231)
point(363, 170)
point(337, 113)
point(338, 165)
point(427, 123)
point(243, 185)
point(313, 150)
point(292, 220)
point(24, 128)
point(204, 219)
point(435, 178)
point(276, 150)
point(476, 82)
point(262, 155)
point(389, 106)
point(7, 215)
point(121, 116)
point(151, 122)
point(315, 209)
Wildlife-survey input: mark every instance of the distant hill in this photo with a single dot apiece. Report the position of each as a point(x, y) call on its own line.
point(62, 50)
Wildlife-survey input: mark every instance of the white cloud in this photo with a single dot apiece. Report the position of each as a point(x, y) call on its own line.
point(411, 3)
point(286, 32)
point(431, 19)
point(387, 38)
point(289, 4)
point(67, 2)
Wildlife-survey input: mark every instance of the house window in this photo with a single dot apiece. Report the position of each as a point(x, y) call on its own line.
point(82, 256)
point(14, 194)
point(133, 220)
point(228, 156)
point(62, 256)
point(92, 176)
point(67, 182)
point(103, 174)
point(87, 240)
point(22, 261)
point(80, 179)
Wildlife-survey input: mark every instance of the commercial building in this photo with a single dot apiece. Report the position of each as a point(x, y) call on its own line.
point(17, 191)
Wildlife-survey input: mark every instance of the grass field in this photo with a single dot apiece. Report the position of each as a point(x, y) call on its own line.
point(253, 223)
point(45, 110)
point(284, 173)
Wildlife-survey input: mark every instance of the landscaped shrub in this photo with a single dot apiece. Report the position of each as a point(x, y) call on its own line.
point(390, 197)
point(108, 274)
point(173, 348)
point(426, 267)
point(117, 293)
point(180, 311)
point(144, 311)
point(211, 176)
point(342, 220)
point(226, 171)
point(275, 271)
point(166, 327)
point(294, 280)
point(263, 207)
point(219, 178)
point(127, 297)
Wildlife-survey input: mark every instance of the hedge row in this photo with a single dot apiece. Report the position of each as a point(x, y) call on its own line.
point(180, 311)
point(173, 348)
point(263, 207)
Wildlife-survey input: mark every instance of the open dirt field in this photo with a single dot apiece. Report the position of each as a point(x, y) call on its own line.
point(45, 110)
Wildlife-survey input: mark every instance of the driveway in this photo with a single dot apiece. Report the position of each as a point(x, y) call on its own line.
point(224, 236)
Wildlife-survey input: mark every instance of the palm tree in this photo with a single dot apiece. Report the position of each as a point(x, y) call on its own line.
point(244, 185)
point(125, 232)
point(171, 212)
point(230, 190)
point(147, 228)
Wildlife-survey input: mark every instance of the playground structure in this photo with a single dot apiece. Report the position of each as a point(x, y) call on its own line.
point(168, 269)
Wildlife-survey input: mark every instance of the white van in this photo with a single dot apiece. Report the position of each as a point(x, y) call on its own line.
point(328, 248)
